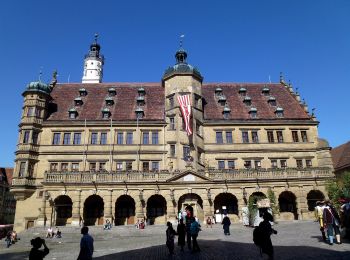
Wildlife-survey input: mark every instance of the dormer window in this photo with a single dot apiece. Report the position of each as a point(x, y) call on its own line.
point(272, 101)
point(112, 92)
point(218, 92)
point(82, 92)
point(72, 113)
point(253, 112)
point(106, 113)
point(242, 92)
point(265, 91)
point(140, 100)
point(226, 112)
point(247, 101)
point(222, 100)
point(141, 92)
point(279, 112)
point(139, 113)
point(109, 101)
point(78, 101)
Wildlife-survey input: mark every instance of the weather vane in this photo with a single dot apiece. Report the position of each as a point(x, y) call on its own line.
point(96, 36)
point(40, 73)
point(182, 36)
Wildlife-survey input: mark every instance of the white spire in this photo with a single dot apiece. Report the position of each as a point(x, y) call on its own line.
point(93, 64)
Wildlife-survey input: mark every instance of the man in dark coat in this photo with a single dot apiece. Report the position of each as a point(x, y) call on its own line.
point(226, 225)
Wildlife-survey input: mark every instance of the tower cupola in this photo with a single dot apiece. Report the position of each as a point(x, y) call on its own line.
point(93, 64)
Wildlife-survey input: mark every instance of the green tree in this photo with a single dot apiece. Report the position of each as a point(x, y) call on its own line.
point(272, 197)
point(339, 188)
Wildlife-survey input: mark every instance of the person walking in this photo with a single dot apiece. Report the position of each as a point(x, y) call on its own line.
point(319, 217)
point(345, 208)
point(331, 222)
point(170, 237)
point(181, 232)
point(86, 245)
point(35, 253)
point(209, 222)
point(226, 222)
point(194, 229)
point(266, 231)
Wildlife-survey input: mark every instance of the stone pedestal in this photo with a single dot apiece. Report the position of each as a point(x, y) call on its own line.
point(41, 221)
point(76, 209)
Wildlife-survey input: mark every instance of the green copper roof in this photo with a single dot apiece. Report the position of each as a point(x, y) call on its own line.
point(38, 86)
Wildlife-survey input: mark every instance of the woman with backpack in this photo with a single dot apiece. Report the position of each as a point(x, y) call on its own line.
point(194, 229)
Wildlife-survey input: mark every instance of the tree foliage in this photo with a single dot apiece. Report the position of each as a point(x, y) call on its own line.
point(274, 205)
point(339, 188)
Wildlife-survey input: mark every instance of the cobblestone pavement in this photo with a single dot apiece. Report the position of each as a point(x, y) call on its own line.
point(295, 240)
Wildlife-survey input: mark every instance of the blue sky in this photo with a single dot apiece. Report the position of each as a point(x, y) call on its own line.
point(229, 41)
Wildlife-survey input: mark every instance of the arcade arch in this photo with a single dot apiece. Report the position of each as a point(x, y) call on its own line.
point(124, 210)
point(156, 210)
point(93, 211)
point(63, 209)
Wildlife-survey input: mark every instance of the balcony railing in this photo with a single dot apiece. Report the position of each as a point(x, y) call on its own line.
point(23, 182)
point(163, 176)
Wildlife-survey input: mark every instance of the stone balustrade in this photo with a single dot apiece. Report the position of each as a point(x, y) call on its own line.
point(163, 176)
point(23, 182)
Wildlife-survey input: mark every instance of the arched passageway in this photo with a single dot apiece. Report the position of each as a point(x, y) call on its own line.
point(312, 197)
point(287, 203)
point(63, 207)
point(226, 203)
point(255, 214)
point(156, 210)
point(93, 211)
point(194, 203)
point(124, 210)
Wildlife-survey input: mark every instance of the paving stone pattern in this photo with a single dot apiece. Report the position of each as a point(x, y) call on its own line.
point(295, 240)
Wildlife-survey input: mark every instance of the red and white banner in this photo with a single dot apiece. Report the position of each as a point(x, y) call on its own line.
point(185, 105)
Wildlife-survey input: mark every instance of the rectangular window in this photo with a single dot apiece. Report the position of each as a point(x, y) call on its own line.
point(229, 137)
point(270, 137)
point(92, 166)
point(54, 167)
point(172, 123)
point(30, 170)
point(56, 138)
point(245, 137)
point(196, 102)
point(145, 139)
point(26, 137)
point(102, 166)
point(299, 163)
point(279, 136)
point(248, 164)
point(295, 136)
point(257, 164)
point(171, 102)
point(186, 152)
point(22, 168)
point(221, 165)
point(128, 166)
point(219, 139)
point(231, 164)
point(304, 136)
point(38, 112)
point(129, 137)
point(308, 163)
point(255, 137)
point(283, 163)
point(30, 111)
point(119, 166)
point(198, 125)
point(273, 163)
point(64, 167)
point(66, 138)
point(155, 138)
point(145, 166)
point(94, 138)
point(77, 138)
point(103, 139)
point(75, 167)
point(172, 150)
point(120, 138)
point(35, 137)
point(155, 166)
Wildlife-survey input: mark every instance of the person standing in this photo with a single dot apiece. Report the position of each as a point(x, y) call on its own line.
point(86, 245)
point(209, 222)
point(170, 237)
point(194, 229)
point(331, 222)
point(226, 222)
point(245, 216)
point(188, 228)
point(35, 253)
point(181, 232)
point(319, 217)
point(266, 231)
point(345, 208)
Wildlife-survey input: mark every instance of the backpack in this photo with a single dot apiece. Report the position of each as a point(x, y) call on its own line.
point(257, 235)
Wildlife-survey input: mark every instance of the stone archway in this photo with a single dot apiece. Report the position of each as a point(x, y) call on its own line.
point(194, 203)
point(63, 207)
point(287, 205)
point(255, 214)
point(226, 203)
point(124, 211)
point(156, 210)
point(312, 197)
point(93, 211)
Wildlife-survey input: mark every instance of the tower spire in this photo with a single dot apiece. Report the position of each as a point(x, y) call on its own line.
point(93, 63)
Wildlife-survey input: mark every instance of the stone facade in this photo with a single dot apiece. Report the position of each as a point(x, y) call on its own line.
point(88, 159)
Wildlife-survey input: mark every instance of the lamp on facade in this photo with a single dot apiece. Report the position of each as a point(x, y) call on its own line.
point(244, 194)
point(141, 195)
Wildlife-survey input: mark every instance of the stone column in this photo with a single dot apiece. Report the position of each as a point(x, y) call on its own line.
point(41, 221)
point(301, 203)
point(139, 205)
point(171, 207)
point(241, 203)
point(207, 205)
point(108, 207)
point(76, 208)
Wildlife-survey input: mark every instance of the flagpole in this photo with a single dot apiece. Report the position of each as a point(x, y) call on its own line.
point(110, 149)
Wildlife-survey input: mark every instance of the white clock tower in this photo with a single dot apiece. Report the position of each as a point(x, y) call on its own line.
point(93, 64)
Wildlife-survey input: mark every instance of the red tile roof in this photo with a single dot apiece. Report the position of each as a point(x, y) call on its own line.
point(341, 156)
point(125, 101)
